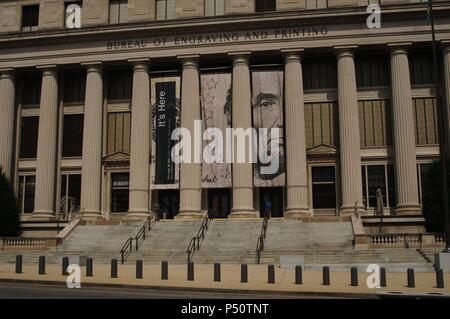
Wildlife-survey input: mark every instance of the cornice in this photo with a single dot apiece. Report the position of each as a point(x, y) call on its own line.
point(232, 23)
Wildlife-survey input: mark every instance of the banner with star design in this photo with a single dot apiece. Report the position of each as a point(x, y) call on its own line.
point(216, 113)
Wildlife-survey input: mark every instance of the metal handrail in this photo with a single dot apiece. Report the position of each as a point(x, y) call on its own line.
point(136, 242)
point(196, 241)
point(262, 236)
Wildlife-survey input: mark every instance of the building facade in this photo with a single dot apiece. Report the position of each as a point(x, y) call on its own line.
point(86, 113)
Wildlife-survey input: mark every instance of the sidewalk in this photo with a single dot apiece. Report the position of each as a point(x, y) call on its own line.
point(257, 279)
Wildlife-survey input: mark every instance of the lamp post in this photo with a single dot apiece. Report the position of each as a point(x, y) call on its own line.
point(442, 129)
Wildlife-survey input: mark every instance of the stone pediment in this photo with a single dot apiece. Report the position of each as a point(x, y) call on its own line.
point(116, 158)
point(322, 149)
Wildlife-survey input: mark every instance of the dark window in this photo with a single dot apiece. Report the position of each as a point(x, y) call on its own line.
point(29, 137)
point(71, 188)
point(74, 87)
point(319, 74)
point(372, 71)
point(376, 180)
point(426, 121)
point(374, 123)
point(421, 68)
point(31, 89)
point(119, 132)
point(324, 191)
point(119, 192)
point(30, 17)
point(120, 85)
point(391, 186)
point(26, 194)
point(265, 5)
point(118, 11)
point(169, 203)
point(73, 135)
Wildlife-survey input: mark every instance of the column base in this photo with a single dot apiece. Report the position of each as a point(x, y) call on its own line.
point(91, 215)
point(297, 213)
point(137, 215)
point(408, 210)
point(241, 214)
point(46, 215)
point(189, 215)
point(350, 210)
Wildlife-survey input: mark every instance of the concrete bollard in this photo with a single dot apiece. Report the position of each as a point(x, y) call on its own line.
point(410, 275)
point(383, 281)
point(89, 267)
point(244, 273)
point(271, 274)
point(190, 271)
point(41, 265)
point(439, 278)
point(113, 268)
point(326, 276)
point(354, 276)
point(164, 270)
point(18, 264)
point(65, 264)
point(298, 275)
point(139, 269)
point(217, 272)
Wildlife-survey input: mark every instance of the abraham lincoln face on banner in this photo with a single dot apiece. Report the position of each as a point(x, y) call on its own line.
point(267, 113)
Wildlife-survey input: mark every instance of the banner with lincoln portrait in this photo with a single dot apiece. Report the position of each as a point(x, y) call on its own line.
point(267, 106)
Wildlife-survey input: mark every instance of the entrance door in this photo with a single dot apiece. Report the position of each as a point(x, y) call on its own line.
point(219, 202)
point(169, 202)
point(273, 195)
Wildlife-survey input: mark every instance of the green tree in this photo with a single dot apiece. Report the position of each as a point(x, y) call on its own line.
point(432, 197)
point(9, 214)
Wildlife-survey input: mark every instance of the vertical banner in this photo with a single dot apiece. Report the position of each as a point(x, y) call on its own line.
point(216, 113)
point(267, 103)
point(165, 100)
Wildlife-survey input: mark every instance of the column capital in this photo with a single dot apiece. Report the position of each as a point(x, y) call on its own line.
point(398, 48)
point(345, 51)
point(189, 61)
point(292, 54)
point(240, 58)
point(140, 64)
point(95, 67)
point(445, 46)
point(49, 69)
point(7, 73)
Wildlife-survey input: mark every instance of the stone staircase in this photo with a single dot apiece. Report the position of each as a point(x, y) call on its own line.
point(168, 240)
point(101, 242)
point(230, 241)
point(330, 244)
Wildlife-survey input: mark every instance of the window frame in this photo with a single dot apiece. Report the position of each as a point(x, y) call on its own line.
point(24, 15)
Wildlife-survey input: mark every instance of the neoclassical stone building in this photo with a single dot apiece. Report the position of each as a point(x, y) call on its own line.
point(86, 113)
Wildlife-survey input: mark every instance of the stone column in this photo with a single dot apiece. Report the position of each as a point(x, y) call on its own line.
point(91, 180)
point(190, 173)
point(350, 157)
point(47, 145)
point(140, 142)
point(296, 174)
point(7, 114)
point(446, 93)
point(404, 135)
point(242, 119)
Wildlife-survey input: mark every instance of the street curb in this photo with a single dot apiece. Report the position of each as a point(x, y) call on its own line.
point(202, 289)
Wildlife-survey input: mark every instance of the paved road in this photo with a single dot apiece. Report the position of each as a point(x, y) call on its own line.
point(43, 291)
